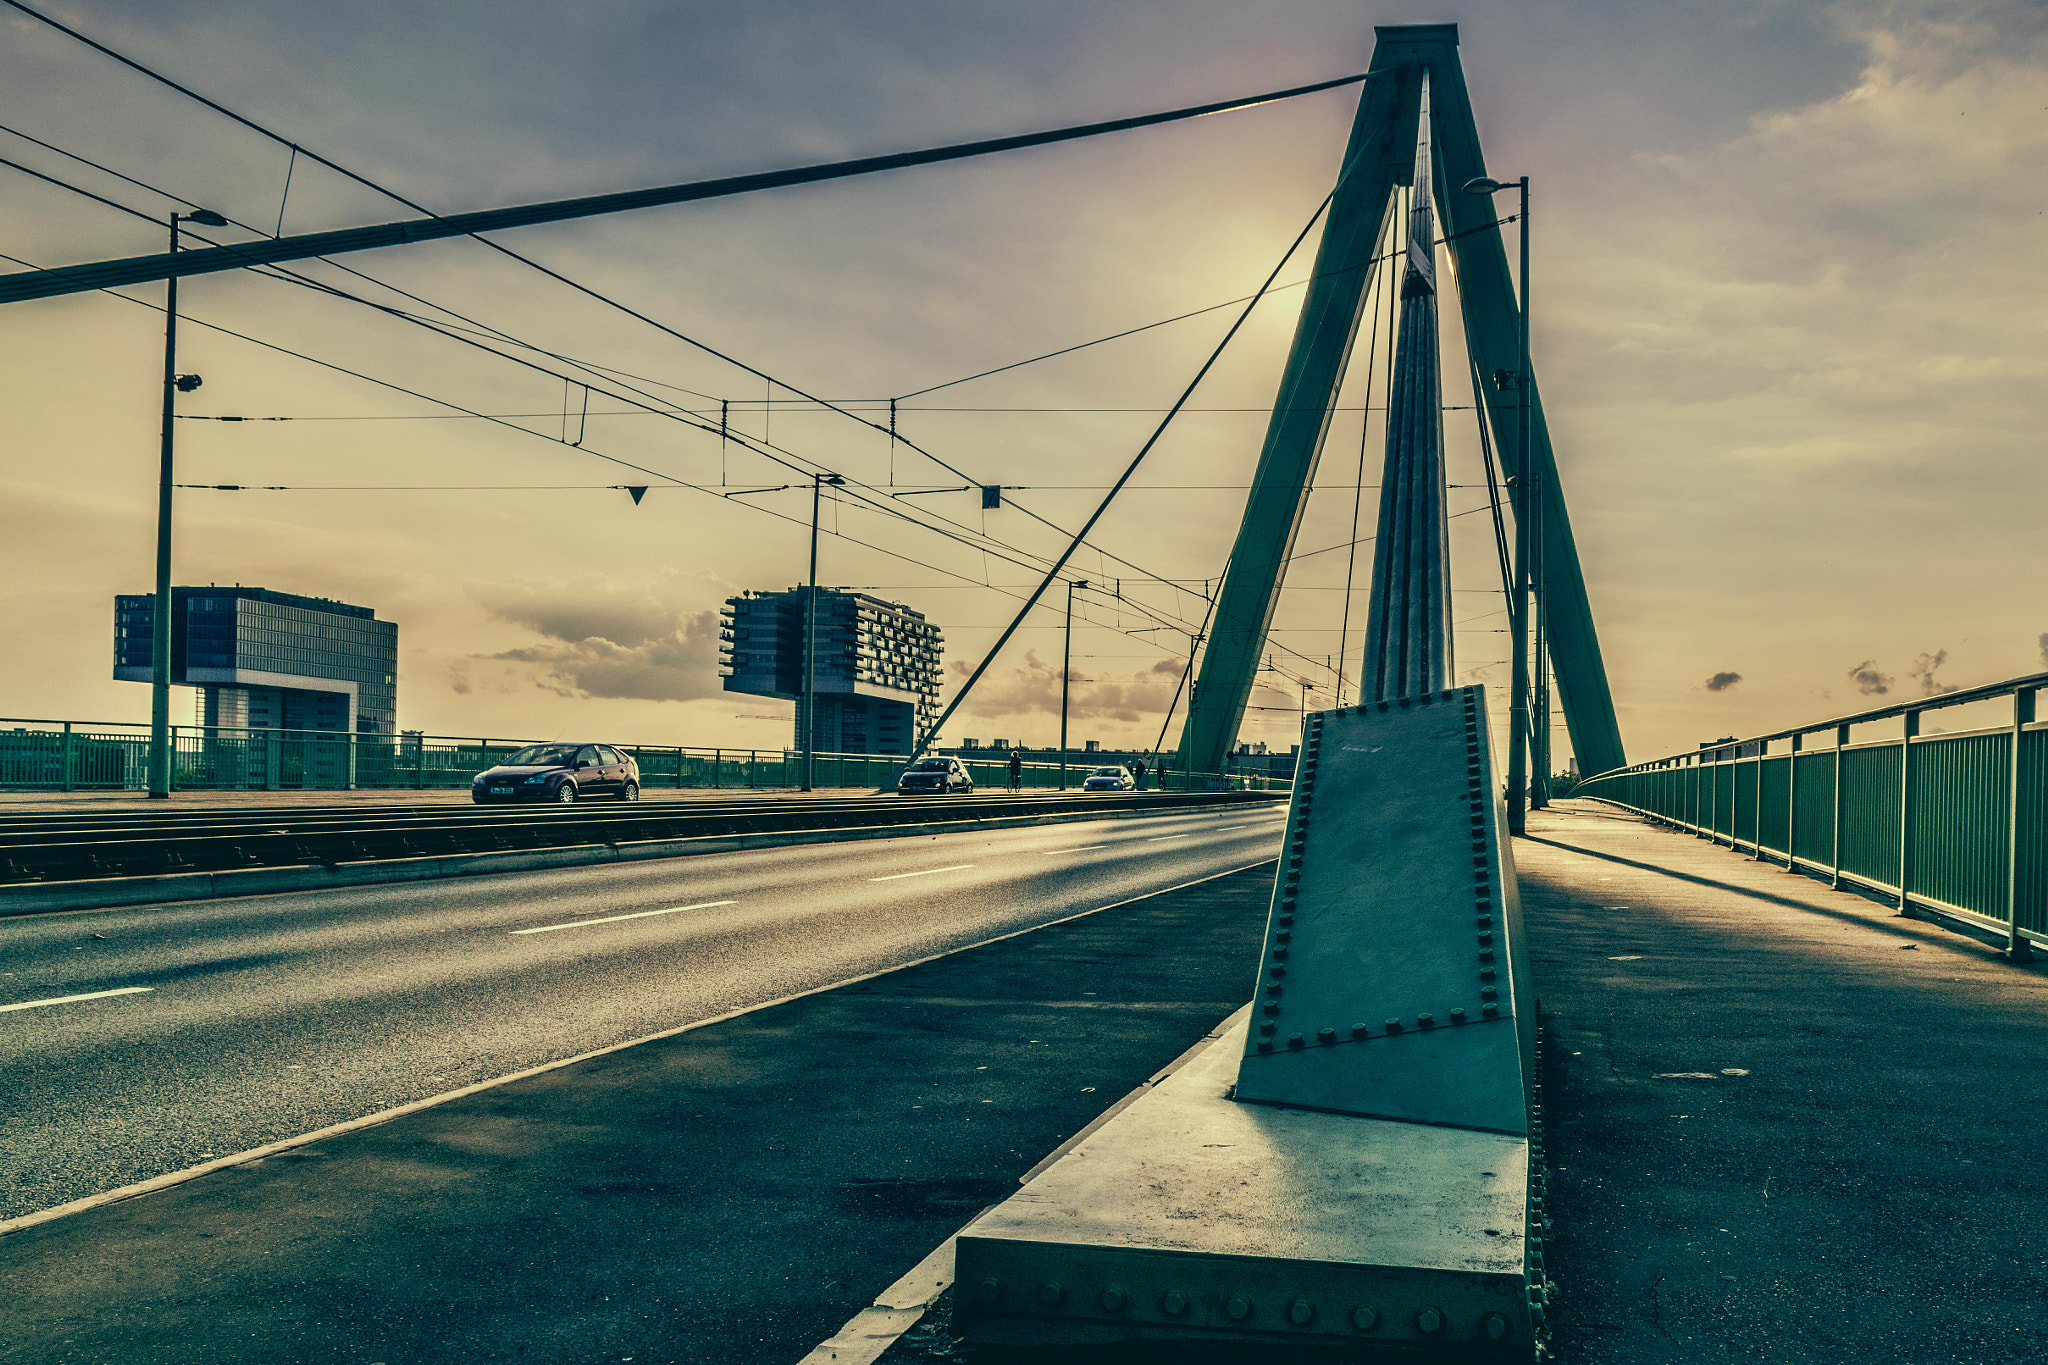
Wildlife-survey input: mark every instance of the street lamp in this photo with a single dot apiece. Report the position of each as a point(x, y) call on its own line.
point(160, 650)
point(808, 709)
point(1067, 667)
point(1524, 493)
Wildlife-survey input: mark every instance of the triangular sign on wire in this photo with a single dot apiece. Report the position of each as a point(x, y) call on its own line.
point(638, 491)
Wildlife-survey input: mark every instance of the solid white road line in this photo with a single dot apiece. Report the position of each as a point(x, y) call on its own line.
point(1055, 852)
point(1157, 837)
point(894, 876)
point(171, 1178)
point(67, 999)
point(614, 919)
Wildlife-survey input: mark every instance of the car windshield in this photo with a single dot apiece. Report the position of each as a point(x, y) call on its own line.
point(1109, 772)
point(541, 756)
point(932, 765)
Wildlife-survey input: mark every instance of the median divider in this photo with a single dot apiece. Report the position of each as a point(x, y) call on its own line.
point(112, 892)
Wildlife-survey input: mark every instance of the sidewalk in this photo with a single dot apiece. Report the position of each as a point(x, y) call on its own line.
point(1785, 1125)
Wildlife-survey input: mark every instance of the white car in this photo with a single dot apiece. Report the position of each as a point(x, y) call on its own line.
point(1112, 779)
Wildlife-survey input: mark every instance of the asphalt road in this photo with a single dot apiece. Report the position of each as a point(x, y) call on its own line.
point(258, 1018)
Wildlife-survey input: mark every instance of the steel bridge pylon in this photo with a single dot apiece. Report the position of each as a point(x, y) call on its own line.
point(1378, 159)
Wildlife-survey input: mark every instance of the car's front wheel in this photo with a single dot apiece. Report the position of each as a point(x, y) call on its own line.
point(566, 794)
point(631, 792)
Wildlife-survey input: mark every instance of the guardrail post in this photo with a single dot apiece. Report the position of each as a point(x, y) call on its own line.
point(350, 775)
point(66, 755)
point(419, 765)
point(1792, 805)
point(1835, 841)
point(2017, 948)
point(1713, 800)
point(1756, 805)
point(1912, 730)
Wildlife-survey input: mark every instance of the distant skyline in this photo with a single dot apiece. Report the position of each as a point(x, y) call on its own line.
point(1789, 319)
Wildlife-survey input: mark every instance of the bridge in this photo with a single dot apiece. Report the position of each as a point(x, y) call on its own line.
point(1731, 1054)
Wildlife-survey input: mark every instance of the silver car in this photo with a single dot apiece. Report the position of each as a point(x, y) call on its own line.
point(1115, 778)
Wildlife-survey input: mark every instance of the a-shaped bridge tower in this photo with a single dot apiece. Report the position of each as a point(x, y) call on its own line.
point(1393, 120)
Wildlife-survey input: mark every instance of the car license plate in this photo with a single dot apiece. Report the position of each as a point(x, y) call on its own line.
point(501, 791)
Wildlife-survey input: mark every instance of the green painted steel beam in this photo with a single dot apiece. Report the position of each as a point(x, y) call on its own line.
point(1382, 144)
point(75, 279)
point(1380, 156)
point(1492, 330)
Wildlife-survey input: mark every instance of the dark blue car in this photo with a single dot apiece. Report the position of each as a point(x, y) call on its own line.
point(562, 773)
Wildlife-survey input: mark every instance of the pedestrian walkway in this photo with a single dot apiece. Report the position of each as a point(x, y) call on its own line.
point(1786, 1126)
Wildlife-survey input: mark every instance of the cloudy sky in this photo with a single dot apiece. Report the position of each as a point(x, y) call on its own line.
point(1790, 315)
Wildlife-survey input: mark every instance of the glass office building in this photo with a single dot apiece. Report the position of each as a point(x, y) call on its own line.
point(268, 660)
point(878, 665)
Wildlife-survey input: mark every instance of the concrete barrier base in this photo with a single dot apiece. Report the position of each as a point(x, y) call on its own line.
point(1190, 1217)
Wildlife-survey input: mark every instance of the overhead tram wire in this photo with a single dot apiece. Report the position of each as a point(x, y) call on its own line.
point(772, 453)
point(801, 175)
point(981, 539)
point(676, 194)
point(667, 408)
point(662, 476)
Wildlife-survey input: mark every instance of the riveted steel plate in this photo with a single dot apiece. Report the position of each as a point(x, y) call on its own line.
point(1391, 982)
point(1189, 1214)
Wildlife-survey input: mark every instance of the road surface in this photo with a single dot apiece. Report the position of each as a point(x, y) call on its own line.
point(245, 1020)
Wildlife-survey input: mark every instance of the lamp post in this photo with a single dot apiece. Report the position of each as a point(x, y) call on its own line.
point(1539, 705)
point(160, 644)
point(807, 707)
point(1067, 667)
point(1524, 495)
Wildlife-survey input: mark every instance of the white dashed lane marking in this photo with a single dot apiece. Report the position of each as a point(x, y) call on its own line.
point(614, 919)
point(895, 876)
point(68, 999)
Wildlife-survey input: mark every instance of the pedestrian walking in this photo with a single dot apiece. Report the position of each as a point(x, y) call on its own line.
point(1016, 770)
point(1138, 774)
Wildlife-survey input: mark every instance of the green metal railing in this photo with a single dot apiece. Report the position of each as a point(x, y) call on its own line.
point(1953, 824)
point(48, 755)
